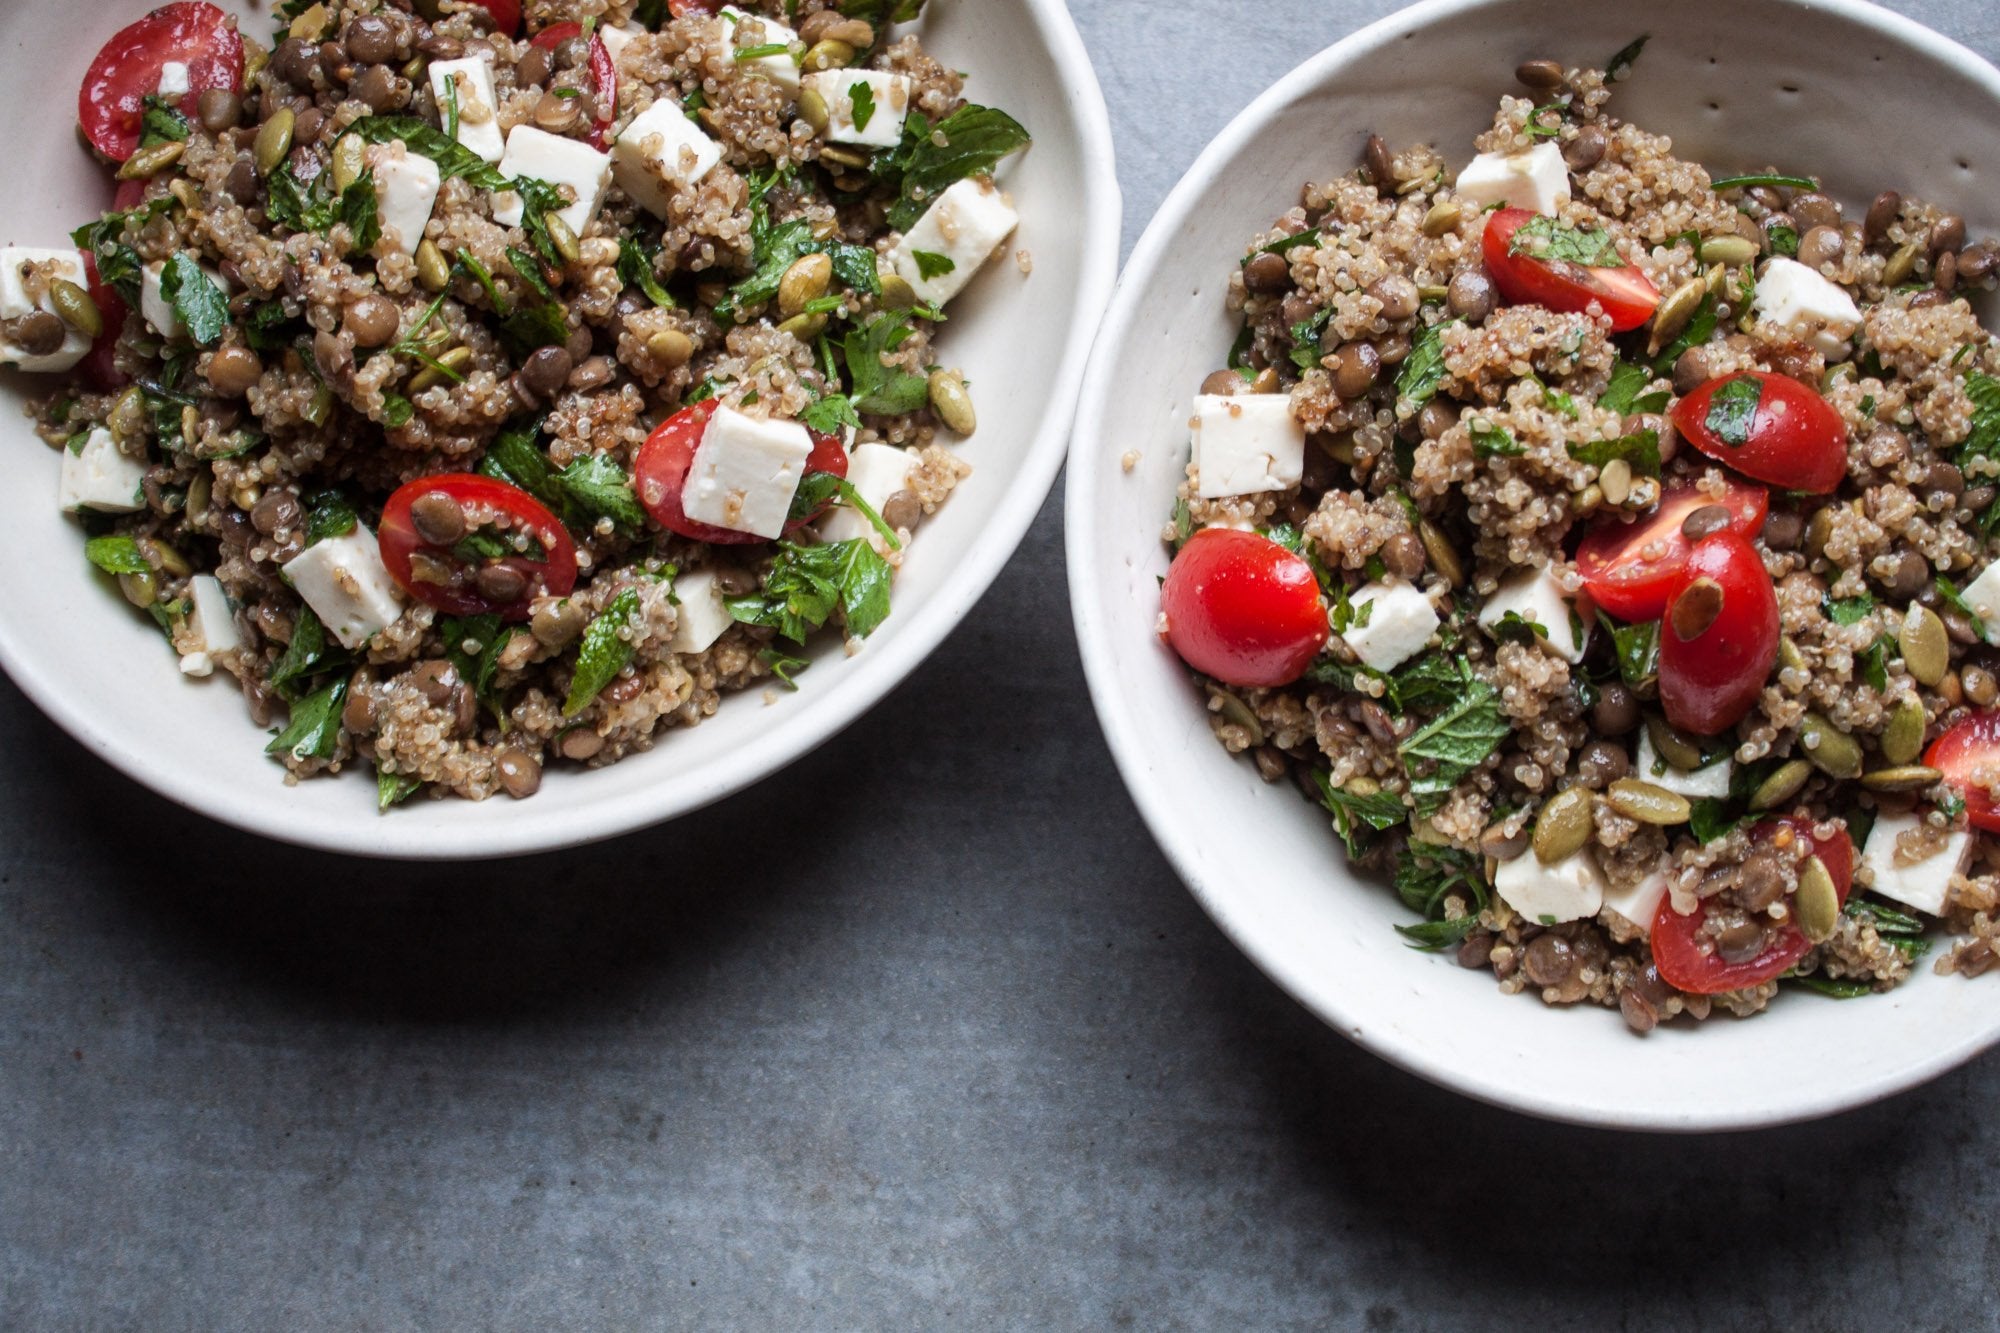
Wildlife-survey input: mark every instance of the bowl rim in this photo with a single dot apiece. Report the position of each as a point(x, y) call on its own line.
point(1098, 214)
point(1109, 695)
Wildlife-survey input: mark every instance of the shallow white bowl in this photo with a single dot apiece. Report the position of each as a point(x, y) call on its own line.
point(1863, 97)
point(104, 675)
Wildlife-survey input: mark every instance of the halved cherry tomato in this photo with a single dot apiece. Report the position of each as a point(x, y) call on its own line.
point(1708, 682)
point(128, 196)
point(660, 472)
point(98, 368)
point(1969, 757)
point(1625, 294)
point(1767, 426)
point(1243, 609)
point(459, 576)
point(603, 75)
point(112, 100)
point(1631, 568)
point(506, 14)
point(1676, 949)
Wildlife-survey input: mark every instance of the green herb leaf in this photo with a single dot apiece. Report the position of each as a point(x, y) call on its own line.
point(1732, 410)
point(1284, 244)
point(393, 789)
point(1183, 523)
point(1949, 591)
point(1874, 662)
point(931, 265)
point(1426, 684)
point(1428, 873)
point(358, 209)
point(426, 140)
point(1423, 369)
point(1712, 818)
point(783, 665)
point(830, 414)
point(603, 654)
point(298, 206)
point(597, 487)
point(397, 410)
point(1769, 179)
point(1700, 328)
point(309, 654)
point(1640, 450)
point(1983, 439)
point(635, 269)
point(881, 13)
point(329, 513)
point(862, 98)
point(161, 123)
point(1637, 648)
point(1457, 741)
point(807, 583)
point(198, 303)
point(1625, 394)
point(118, 264)
point(1432, 936)
point(313, 731)
point(1489, 441)
point(970, 141)
point(1848, 610)
point(1784, 241)
point(1552, 240)
point(472, 644)
point(116, 554)
point(1621, 64)
point(876, 388)
point(1357, 818)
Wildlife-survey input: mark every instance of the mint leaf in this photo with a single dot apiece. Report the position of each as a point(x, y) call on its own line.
point(293, 204)
point(876, 388)
point(1621, 64)
point(603, 653)
point(1732, 410)
point(1552, 240)
point(161, 123)
point(1423, 369)
point(1357, 818)
point(1637, 649)
point(1625, 394)
point(1489, 441)
point(309, 654)
point(1700, 328)
point(426, 140)
point(116, 554)
point(1983, 440)
point(635, 269)
point(1848, 610)
point(597, 487)
point(359, 210)
point(1949, 591)
point(1640, 450)
point(807, 583)
point(1457, 741)
point(969, 142)
point(198, 303)
point(394, 788)
point(1427, 873)
point(313, 732)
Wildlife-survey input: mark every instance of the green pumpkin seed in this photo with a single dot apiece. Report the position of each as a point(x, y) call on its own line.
point(844, 157)
point(200, 491)
point(1432, 292)
point(1789, 655)
point(349, 160)
point(1784, 783)
point(561, 237)
point(1362, 785)
point(828, 54)
point(452, 358)
point(804, 327)
point(1831, 750)
point(897, 294)
point(185, 194)
point(310, 25)
point(1926, 647)
point(1616, 481)
point(951, 402)
point(812, 110)
point(127, 418)
point(319, 407)
point(1588, 500)
point(803, 283)
point(1339, 448)
point(1237, 713)
point(152, 161)
point(1900, 265)
point(671, 348)
point(1564, 826)
point(1903, 737)
point(140, 589)
point(1675, 312)
point(433, 270)
point(1647, 803)
point(1696, 609)
point(1904, 777)
point(1819, 529)
point(1817, 902)
point(1443, 217)
point(1735, 251)
point(164, 557)
point(78, 311)
point(1671, 745)
point(274, 140)
point(1437, 547)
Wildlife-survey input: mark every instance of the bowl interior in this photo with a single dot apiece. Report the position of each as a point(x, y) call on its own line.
point(104, 674)
point(1737, 84)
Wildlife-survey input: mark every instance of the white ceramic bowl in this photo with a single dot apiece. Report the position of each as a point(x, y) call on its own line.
point(1867, 99)
point(104, 675)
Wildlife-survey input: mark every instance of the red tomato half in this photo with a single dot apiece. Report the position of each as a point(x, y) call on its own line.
point(1243, 609)
point(603, 75)
point(112, 99)
point(1679, 956)
point(660, 473)
point(464, 581)
point(1709, 682)
point(1969, 757)
point(1625, 294)
point(1767, 426)
point(506, 14)
point(1631, 568)
point(98, 368)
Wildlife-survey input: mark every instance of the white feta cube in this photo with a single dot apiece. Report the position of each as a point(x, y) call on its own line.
point(1535, 596)
point(661, 151)
point(956, 235)
point(1983, 596)
point(1924, 884)
point(559, 161)
point(25, 273)
point(863, 106)
point(781, 68)
point(702, 615)
point(1710, 780)
point(1807, 306)
point(343, 580)
point(745, 471)
point(1570, 890)
point(1392, 623)
point(211, 623)
point(100, 476)
point(616, 39)
point(154, 306)
point(173, 78)
point(1246, 443)
point(478, 109)
point(1638, 904)
point(406, 189)
point(876, 471)
point(1537, 179)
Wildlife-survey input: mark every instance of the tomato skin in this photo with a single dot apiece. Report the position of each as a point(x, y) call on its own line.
point(112, 100)
point(1634, 585)
point(98, 368)
point(506, 14)
point(1972, 745)
point(1796, 439)
point(660, 472)
point(1243, 609)
point(1625, 294)
point(1685, 967)
point(398, 540)
point(1709, 682)
point(603, 75)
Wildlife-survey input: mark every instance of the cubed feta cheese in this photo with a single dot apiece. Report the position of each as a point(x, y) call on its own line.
point(25, 273)
point(781, 68)
point(876, 471)
point(1983, 596)
point(1711, 780)
point(173, 78)
point(1638, 904)
point(1922, 884)
point(744, 472)
point(157, 310)
point(1537, 179)
point(478, 108)
point(863, 106)
point(1570, 890)
point(616, 39)
point(1806, 305)
point(957, 234)
point(702, 615)
point(559, 161)
point(1535, 596)
point(1246, 443)
point(101, 476)
point(406, 189)
point(343, 580)
point(1392, 623)
point(210, 623)
point(659, 152)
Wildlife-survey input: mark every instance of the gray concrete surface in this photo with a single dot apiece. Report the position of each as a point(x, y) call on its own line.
point(961, 1053)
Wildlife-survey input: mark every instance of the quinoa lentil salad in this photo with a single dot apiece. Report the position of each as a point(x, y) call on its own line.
point(485, 390)
point(1609, 547)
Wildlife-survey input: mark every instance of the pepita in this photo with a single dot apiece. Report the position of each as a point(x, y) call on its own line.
point(562, 237)
point(349, 161)
point(1789, 655)
point(951, 402)
point(1925, 644)
point(140, 589)
point(1900, 265)
point(1649, 804)
point(1675, 312)
point(1616, 481)
point(1735, 251)
point(127, 418)
point(1564, 826)
point(433, 271)
point(897, 294)
point(1831, 750)
point(1782, 785)
point(1696, 609)
point(671, 348)
point(1443, 217)
point(152, 161)
point(804, 282)
point(1437, 548)
point(1237, 713)
point(1903, 737)
point(1817, 902)
point(825, 55)
point(78, 311)
point(1904, 777)
point(1671, 745)
point(812, 110)
point(844, 157)
point(274, 140)
point(452, 358)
